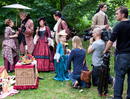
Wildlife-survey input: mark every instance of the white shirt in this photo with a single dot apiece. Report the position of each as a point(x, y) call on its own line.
point(56, 25)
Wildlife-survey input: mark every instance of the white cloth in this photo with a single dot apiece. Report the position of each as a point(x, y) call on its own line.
point(51, 42)
point(36, 37)
point(42, 29)
point(56, 25)
point(57, 56)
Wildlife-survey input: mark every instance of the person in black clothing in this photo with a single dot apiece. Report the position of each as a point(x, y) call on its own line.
point(121, 33)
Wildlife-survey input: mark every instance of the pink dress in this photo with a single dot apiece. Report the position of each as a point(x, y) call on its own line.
point(42, 52)
point(9, 49)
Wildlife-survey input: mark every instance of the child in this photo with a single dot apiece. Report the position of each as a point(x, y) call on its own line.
point(60, 59)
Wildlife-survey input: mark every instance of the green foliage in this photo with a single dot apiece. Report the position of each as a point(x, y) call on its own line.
point(77, 13)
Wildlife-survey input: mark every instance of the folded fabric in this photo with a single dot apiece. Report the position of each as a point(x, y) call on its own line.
point(36, 37)
point(57, 56)
point(51, 42)
point(9, 93)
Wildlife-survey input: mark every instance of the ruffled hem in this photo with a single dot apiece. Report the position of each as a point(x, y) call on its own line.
point(25, 87)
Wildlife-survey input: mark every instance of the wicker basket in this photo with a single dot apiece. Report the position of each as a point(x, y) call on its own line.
point(25, 76)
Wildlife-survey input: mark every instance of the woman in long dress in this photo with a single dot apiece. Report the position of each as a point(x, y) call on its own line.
point(60, 59)
point(42, 52)
point(9, 46)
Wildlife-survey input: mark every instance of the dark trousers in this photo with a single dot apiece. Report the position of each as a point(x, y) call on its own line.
point(100, 79)
point(103, 80)
point(95, 75)
point(122, 67)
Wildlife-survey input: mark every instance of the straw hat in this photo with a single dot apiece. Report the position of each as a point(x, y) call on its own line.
point(62, 33)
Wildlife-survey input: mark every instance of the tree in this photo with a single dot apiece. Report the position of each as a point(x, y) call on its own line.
point(77, 13)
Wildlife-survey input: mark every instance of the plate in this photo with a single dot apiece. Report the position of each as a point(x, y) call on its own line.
point(25, 63)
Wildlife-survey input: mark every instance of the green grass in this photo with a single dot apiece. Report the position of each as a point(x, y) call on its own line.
point(51, 89)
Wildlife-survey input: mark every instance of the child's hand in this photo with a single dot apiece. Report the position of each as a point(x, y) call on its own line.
point(69, 71)
point(68, 51)
point(57, 61)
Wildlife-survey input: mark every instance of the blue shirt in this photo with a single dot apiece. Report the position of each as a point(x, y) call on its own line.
point(60, 49)
point(77, 56)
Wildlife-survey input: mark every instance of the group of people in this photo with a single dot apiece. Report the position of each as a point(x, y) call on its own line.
point(57, 57)
point(22, 41)
point(121, 35)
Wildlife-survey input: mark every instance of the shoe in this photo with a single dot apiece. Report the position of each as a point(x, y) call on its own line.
point(75, 85)
point(40, 78)
point(81, 90)
point(105, 94)
point(100, 95)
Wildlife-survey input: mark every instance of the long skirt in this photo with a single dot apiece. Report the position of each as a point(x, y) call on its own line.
point(61, 69)
point(43, 56)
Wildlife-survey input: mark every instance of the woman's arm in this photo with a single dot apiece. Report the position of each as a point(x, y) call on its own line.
point(71, 56)
point(7, 32)
point(13, 36)
point(48, 32)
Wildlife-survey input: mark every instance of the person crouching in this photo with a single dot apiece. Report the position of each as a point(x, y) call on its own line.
point(77, 56)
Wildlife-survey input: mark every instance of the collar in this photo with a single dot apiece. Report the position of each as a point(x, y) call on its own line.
point(101, 12)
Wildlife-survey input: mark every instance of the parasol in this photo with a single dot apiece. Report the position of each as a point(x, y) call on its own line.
point(16, 6)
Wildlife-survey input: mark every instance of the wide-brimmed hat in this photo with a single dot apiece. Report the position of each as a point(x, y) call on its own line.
point(62, 33)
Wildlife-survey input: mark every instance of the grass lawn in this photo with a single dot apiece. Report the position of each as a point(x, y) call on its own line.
point(51, 89)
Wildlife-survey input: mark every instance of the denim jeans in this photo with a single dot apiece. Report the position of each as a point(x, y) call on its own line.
point(75, 78)
point(122, 67)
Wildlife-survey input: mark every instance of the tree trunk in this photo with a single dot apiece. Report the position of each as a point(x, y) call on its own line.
point(62, 4)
